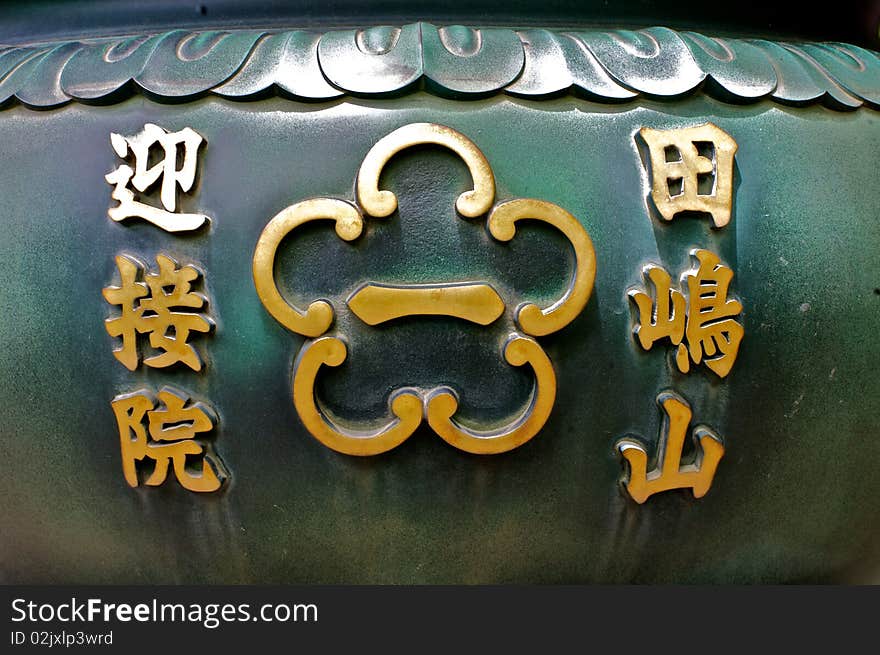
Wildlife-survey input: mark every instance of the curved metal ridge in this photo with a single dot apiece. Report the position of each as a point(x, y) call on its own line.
point(456, 61)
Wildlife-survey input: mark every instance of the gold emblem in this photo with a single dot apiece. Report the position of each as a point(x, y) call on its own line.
point(172, 146)
point(700, 314)
point(375, 303)
point(148, 307)
point(692, 170)
point(669, 472)
point(172, 426)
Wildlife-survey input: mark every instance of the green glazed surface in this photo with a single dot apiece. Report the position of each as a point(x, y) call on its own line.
point(794, 499)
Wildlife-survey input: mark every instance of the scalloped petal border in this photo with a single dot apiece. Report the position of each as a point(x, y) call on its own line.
point(456, 61)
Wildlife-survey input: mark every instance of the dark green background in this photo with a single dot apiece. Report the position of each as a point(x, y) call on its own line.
point(795, 497)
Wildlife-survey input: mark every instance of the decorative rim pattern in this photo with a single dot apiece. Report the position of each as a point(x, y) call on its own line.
point(458, 62)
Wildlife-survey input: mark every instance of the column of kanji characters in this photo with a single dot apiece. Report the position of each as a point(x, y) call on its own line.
point(691, 171)
point(160, 307)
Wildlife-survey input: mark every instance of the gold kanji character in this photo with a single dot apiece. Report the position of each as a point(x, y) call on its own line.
point(701, 314)
point(172, 427)
point(669, 473)
point(147, 308)
point(710, 325)
point(681, 160)
point(144, 176)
